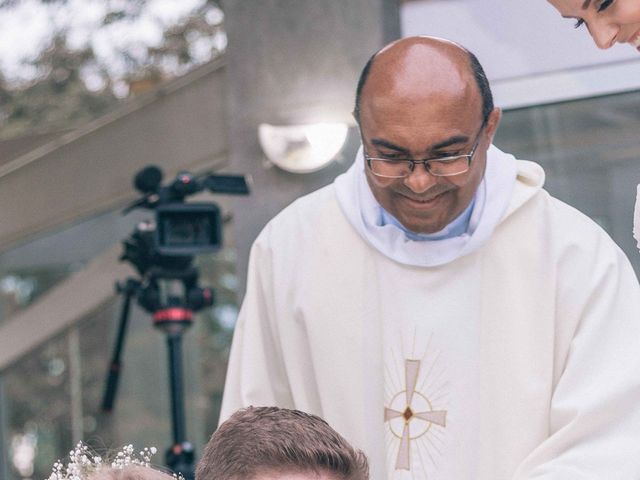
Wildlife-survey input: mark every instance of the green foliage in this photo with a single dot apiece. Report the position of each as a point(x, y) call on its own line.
point(59, 97)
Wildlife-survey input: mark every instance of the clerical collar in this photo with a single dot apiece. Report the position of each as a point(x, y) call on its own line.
point(459, 226)
point(363, 212)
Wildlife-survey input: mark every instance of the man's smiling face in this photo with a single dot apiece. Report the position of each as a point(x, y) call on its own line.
point(419, 103)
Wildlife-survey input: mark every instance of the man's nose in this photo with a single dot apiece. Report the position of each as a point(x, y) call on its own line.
point(604, 34)
point(420, 180)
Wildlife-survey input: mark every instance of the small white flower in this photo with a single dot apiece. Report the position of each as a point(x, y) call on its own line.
point(82, 463)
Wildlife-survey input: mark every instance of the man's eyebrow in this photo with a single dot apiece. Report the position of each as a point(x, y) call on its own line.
point(450, 141)
point(378, 142)
point(456, 139)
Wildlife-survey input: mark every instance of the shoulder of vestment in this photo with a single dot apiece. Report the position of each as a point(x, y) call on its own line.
point(310, 218)
point(565, 227)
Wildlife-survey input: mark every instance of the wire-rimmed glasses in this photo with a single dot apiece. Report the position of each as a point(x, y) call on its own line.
point(439, 166)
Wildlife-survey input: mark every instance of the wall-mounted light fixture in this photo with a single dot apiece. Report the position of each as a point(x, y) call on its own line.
point(302, 148)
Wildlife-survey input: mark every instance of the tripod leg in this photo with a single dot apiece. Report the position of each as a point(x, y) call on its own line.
point(174, 342)
point(180, 457)
point(115, 366)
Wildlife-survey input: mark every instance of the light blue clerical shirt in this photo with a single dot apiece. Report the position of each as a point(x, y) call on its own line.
point(458, 227)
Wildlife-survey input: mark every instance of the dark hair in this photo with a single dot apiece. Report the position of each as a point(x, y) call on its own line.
point(364, 75)
point(483, 85)
point(264, 439)
point(478, 74)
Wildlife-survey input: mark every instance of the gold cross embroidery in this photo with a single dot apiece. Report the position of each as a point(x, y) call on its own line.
point(409, 414)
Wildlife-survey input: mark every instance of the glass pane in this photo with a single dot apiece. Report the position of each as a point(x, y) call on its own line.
point(38, 413)
point(141, 413)
point(216, 331)
point(20, 288)
point(54, 394)
point(29, 270)
point(591, 155)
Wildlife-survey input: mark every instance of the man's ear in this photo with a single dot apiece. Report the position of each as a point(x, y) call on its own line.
point(493, 122)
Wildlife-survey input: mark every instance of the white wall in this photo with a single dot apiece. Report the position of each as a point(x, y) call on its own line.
point(530, 53)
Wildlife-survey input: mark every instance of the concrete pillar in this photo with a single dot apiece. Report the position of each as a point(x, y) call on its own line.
point(293, 61)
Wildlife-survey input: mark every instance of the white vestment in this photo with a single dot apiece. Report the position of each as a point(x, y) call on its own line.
point(519, 360)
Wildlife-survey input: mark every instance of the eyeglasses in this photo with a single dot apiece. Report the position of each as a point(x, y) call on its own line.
point(439, 167)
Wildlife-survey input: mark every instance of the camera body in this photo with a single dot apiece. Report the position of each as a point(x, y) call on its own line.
point(181, 229)
point(188, 228)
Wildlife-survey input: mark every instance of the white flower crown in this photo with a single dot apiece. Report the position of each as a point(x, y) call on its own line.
point(82, 462)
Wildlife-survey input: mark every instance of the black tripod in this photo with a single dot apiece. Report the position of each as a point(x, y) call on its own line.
point(173, 316)
point(162, 253)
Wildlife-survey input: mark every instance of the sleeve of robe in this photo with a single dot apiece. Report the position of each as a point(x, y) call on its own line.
point(594, 424)
point(255, 376)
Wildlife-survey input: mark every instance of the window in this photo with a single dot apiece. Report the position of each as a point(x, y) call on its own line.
point(591, 155)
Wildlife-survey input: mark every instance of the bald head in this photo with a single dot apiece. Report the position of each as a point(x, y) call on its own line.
point(417, 69)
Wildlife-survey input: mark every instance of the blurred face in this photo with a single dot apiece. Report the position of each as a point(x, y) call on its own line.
point(608, 21)
point(416, 128)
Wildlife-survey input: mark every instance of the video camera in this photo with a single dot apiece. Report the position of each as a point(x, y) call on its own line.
point(162, 250)
point(181, 229)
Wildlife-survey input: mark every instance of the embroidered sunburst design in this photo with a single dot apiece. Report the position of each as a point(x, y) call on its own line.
point(410, 414)
point(415, 410)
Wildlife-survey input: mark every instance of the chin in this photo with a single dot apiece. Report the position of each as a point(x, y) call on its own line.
point(423, 228)
point(428, 231)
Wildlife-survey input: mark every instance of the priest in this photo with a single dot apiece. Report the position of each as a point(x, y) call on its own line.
point(436, 305)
